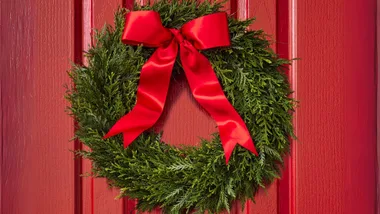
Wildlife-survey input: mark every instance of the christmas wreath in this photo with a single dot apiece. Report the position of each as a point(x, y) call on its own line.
point(232, 73)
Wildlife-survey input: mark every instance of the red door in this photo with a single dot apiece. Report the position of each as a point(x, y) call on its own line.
point(332, 168)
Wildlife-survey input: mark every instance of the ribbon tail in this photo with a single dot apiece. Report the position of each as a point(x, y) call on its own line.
point(151, 95)
point(209, 94)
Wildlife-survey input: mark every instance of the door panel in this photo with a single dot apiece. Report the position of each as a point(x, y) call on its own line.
point(37, 167)
point(335, 162)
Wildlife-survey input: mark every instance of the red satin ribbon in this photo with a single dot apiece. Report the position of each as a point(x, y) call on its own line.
point(145, 28)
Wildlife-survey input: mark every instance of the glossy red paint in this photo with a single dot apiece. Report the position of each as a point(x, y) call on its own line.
point(37, 167)
point(286, 48)
point(378, 102)
point(337, 116)
point(331, 168)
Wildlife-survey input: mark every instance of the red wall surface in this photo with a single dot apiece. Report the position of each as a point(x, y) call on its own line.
point(331, 169)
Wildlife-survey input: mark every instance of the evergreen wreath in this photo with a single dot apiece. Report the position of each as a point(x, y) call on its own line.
point(190, 178)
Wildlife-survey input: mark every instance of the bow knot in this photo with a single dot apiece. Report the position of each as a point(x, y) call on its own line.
point(177, 35)
point(210, 31)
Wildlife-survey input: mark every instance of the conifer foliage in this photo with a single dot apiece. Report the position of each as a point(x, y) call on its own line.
point(180, 180)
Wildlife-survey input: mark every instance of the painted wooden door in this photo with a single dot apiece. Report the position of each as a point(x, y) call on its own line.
point(332, 166)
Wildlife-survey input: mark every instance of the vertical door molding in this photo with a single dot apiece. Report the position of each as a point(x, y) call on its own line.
point(287, 48)
point(378, 102)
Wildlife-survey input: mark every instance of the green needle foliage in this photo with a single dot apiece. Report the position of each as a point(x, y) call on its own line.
point(180, 180)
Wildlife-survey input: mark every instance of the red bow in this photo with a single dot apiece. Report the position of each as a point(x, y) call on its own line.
point(145, 27)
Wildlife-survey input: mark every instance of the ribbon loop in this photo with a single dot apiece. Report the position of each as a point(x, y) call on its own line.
point(208, 31)
point(145, 27)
